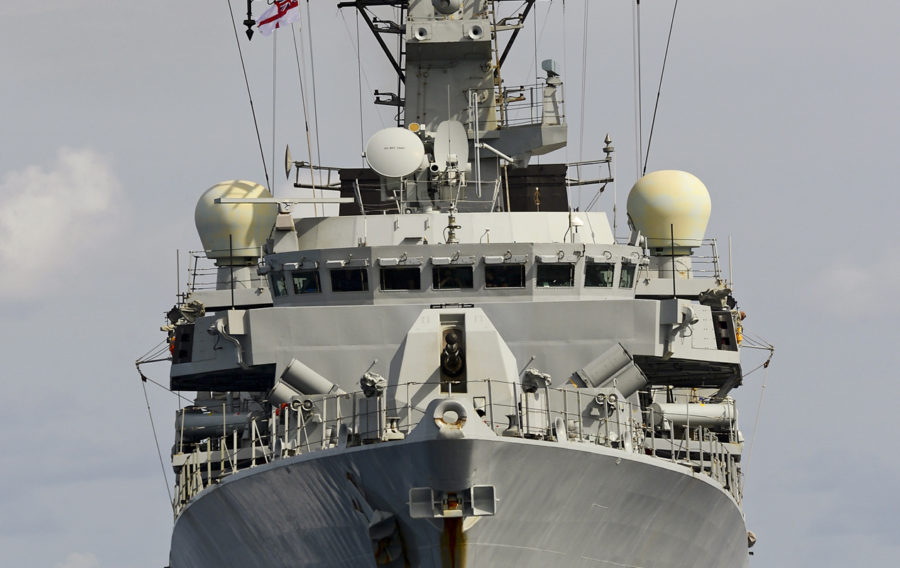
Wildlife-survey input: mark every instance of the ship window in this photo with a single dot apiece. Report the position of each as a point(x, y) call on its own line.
point(306, 281)
point(504, 276)
point(349, 280)
point(452, 277)
point(278, 286)
point(404, 278)
point(599, 275)
point(555, 275)
point(626, 278)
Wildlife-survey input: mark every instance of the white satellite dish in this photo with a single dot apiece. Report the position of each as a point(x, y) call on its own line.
point(450, 139)
point(288, 161)
point(394, 152)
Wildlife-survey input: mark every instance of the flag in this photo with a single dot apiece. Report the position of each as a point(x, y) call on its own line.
point(281, 12)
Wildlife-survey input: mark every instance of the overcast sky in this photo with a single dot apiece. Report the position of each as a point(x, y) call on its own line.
point(117, 116)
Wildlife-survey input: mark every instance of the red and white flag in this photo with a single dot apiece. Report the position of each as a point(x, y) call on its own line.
point(281, 12)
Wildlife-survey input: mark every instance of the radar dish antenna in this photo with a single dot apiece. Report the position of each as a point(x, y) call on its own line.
point(450, 144)
point(288, 161)
point(394, 152)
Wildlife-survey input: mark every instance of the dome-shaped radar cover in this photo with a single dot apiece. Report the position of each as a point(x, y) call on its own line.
point(247, 224)
point(394, 152)
point(670, 199)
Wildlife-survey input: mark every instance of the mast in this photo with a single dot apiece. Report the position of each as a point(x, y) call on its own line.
point(453, 99)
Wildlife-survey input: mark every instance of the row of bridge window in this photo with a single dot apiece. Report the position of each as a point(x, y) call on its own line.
point(451, 277)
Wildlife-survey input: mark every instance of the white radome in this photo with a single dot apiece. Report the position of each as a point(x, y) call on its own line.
point(248, 224)
point(394, 152)
point(670, 199)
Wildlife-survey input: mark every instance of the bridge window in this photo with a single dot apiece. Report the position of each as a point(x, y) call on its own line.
point(599, 275)
point(504, 276)
point(452, 277)
point(349, 280)
point(404, 278)
point(278, 286)
point(626, 278)
point(306, 281)
point(555, 275)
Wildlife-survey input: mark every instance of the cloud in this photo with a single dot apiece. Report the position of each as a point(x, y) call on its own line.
point(50, 216)
point(79, 560)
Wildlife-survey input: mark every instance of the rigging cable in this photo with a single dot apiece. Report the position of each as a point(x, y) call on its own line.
point(535, 46)
point(398, 14)
point(154, 351)
point(312, 70)
point(237, 40)
point(659, 89)
point(305, 116)
point(565, 67)
point(162, 465)
point(362, 143)
point(638, 117)
point(762, 392)
point(539, 37)
point(274, 91)
point(584, 38)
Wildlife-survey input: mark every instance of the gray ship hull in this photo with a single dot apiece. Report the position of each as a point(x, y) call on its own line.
point(556, 504)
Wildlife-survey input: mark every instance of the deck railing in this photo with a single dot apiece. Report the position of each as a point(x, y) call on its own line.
point(321, 423)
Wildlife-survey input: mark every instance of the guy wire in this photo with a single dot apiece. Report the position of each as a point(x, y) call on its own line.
point(156, 439)
point(312, 69)
point(638, 118)
point(274, 91)
point(305, 116)
point(262, 153)
point(584, 49)
point(659, 89)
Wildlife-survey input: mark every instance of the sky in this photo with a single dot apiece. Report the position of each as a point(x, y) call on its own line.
point(115, 118)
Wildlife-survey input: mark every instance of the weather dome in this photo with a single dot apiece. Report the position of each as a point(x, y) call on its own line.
point(670, 200)
point(247, 224)
point(394, 152)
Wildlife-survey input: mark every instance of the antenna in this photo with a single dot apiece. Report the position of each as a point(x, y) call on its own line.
point(450, 139)
point(394, 152)
point(288, 162)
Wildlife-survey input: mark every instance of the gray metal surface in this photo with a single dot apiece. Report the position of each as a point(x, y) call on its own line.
point(557, 505)
point(612, 362)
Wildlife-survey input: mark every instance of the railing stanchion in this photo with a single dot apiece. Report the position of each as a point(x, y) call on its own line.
point(491, 406)
point(580, 420)
point(253, 442)
point(672, 440)
point(516, 409)
point(549, 415)
point(408, 411)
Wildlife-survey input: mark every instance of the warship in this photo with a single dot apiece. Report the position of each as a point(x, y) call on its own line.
point(458, 368)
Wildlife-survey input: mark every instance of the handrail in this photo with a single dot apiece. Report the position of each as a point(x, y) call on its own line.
point(321, 424)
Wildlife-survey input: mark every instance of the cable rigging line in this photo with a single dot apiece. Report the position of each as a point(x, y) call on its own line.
point(584, 37)
point(565, 66)
point(401, 111)
point(359, 92)
point(535, 43)
point(659, 89)
point(305, 116)
point(638, 118)
point(155, 437)
point(312, 70)
point(539, 37)
point(762, 393)
point(274, 91)
point(237, 40)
